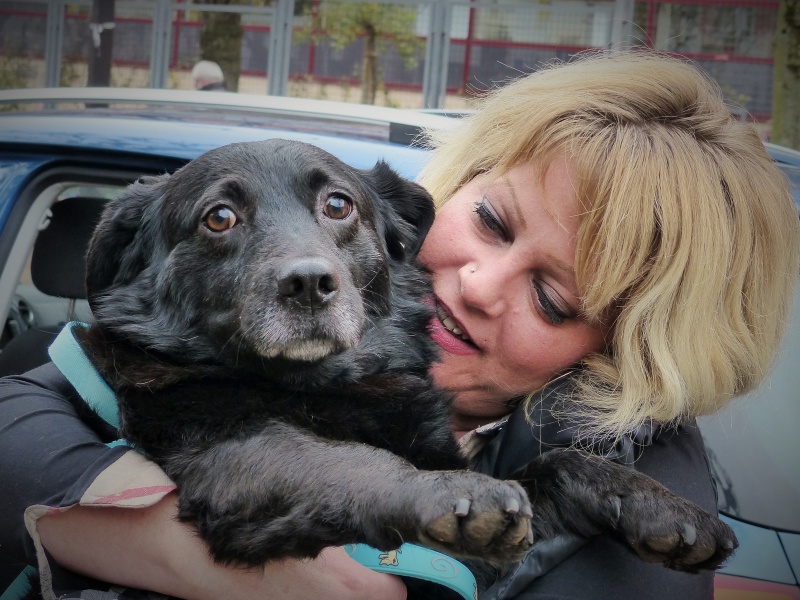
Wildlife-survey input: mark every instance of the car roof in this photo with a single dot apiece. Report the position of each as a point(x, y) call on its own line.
point(184, 124)
point(784, 155)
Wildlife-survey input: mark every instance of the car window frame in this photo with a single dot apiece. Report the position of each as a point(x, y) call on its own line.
point(30, 207)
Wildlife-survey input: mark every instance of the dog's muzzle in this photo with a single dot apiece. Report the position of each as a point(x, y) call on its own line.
point(304, 309)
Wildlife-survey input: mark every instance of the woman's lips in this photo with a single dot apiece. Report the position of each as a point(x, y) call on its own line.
point(447, 341)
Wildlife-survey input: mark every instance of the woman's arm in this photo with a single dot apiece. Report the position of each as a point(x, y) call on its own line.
point(148, 548)
point(49, 457)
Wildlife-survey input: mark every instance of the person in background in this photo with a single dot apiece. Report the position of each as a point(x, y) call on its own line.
point(612, 256)
point(207, 76)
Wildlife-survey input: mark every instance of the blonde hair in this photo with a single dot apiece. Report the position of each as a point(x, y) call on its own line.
point(688, 236)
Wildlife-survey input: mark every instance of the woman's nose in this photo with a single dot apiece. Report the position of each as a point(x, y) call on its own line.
point(483, 289)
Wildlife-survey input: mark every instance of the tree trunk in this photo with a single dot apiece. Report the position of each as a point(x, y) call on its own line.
point(786, 82)
point(101, 43)
point(221, 41)
point(369, 76)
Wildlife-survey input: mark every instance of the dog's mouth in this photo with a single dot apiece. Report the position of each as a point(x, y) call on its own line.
point(306, 350)
point(284, 337)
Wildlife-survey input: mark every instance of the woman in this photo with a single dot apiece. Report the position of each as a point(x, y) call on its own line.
point(607, 236)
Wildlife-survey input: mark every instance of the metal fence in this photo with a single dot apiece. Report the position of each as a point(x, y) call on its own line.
point(445, 53)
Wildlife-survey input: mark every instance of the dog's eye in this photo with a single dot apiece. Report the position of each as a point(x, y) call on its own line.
point(219, 219)
point(337, 207)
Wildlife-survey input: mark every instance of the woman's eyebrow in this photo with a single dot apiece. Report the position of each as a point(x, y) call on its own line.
point(562, 267)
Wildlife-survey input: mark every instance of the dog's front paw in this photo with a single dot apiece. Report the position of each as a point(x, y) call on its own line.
point(664, 528)
point(589, 495)
point(473, 515)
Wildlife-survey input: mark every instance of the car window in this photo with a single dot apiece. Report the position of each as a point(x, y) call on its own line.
point(754, 444)
point(106, 192)
point(89, 190)
point(32, 307)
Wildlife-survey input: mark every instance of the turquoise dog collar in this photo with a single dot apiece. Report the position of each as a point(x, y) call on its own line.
point(409, 560)
point(419, 562)
point(68, 356)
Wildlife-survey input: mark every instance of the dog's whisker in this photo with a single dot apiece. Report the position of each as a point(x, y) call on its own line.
point(364, 287)
point(225, 344)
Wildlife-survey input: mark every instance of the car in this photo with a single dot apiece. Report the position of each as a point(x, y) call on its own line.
point(753, 447)
point(63, 152)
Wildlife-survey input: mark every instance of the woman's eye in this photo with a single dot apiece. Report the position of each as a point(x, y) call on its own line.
point(489, 219)
point(220, 218)
point(553, 313)
point(337, 207)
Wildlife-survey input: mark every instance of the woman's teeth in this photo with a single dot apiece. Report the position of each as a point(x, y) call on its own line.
point(450, 325)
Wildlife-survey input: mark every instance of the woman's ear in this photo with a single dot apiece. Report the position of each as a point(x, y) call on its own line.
point(122, 242)
point(406, 210)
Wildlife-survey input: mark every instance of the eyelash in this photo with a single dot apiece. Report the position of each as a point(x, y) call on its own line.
point(551, 312)
point(489, 220)
point(553, 315)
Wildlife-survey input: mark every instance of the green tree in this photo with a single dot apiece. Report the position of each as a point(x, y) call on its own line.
point(342, 23)
point(786, 83)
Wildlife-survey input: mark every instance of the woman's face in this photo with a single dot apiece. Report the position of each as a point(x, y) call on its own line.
point(502, 253)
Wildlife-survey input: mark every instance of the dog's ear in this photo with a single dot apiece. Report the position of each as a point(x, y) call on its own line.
point(122, 243)
point(406, 211)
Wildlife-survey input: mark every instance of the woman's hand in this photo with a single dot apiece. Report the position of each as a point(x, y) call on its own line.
point(149, 548)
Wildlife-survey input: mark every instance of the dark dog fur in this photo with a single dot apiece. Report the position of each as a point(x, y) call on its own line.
point(277, 369)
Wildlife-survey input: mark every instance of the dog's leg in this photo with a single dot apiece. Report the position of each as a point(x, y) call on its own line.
point(287, 493)
point(575, 491)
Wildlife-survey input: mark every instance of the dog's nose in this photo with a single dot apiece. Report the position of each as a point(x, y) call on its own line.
point(311, 282)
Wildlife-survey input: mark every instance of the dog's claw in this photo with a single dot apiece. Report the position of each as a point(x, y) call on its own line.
point(512, 507)
point(689, 534)
point(729, 545)
point(462, 507)
point(529, 537)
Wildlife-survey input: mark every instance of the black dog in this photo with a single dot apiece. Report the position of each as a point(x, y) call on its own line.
point(261, 316)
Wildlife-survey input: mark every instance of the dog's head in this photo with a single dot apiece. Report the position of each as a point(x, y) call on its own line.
point(266, 250)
